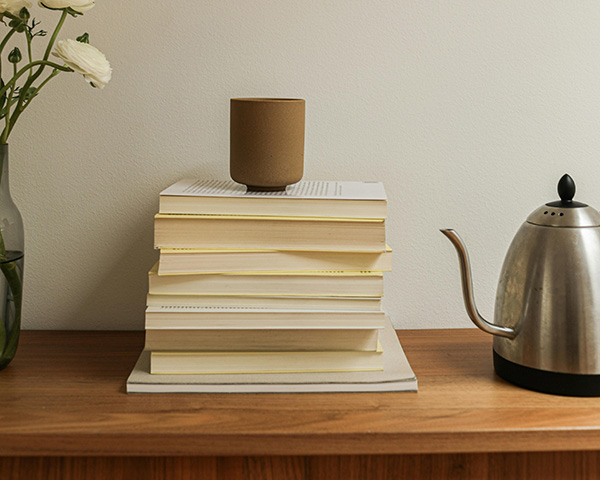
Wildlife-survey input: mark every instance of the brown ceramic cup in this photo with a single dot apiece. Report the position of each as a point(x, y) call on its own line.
point(267, 142)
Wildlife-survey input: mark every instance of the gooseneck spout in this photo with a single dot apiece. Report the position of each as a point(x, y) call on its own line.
point(467, 286)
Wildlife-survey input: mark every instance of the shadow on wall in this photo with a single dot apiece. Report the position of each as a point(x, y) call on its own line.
point(118, 293)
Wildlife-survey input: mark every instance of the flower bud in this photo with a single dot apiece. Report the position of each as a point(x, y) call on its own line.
point(24, 14)
point(15, 55)
point(85, 38)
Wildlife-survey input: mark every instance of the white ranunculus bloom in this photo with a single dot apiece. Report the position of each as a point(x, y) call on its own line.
point(13, 6)
point(85, 59)
point(78, 6)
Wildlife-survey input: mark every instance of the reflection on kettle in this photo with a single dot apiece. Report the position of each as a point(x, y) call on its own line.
point(547, 315)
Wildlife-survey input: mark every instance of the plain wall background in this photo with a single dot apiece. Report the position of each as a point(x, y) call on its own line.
point(469, 112)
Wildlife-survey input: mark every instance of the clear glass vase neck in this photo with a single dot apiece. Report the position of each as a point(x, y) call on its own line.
point(4, 179)
point(11, 222)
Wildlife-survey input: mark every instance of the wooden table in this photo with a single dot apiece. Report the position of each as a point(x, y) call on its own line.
point(64, 414)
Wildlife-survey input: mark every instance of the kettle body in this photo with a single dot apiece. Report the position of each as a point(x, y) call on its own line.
point(547, 310)
point(549, 293)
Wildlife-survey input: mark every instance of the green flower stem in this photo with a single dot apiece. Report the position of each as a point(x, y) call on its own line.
point(59, 25)
point(39, 87)
point(39, 71)
point(32, 96)
point(50, 77)
point(6, 39)
point(3, 44)
point(24, 89)
point(13, 80)
point(12, 92)
point(32, 78)
point(28, 36)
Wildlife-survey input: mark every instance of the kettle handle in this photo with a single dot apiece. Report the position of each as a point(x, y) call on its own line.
point(467, 284)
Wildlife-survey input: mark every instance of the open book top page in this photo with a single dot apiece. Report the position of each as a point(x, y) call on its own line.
point(328, 190)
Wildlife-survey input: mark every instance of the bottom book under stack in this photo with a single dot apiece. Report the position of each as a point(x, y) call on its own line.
point(366, 358)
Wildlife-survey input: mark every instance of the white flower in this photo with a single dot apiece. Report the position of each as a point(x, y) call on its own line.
point(78, 6)
point(85, 59)
point(13, 6)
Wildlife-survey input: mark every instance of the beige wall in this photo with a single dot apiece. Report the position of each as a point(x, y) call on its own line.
point(468, 111)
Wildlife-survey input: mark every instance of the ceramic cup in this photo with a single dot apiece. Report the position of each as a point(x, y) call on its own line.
point(267, 142)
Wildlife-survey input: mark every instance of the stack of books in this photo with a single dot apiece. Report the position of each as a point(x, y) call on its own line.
point(270, 291)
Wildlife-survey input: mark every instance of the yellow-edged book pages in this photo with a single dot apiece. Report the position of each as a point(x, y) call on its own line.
point(184, 261)
point(210, 318)
point(268, 233)
point(304, 199)
point(181, 363)
point(262, 340)
point(317, 303)
point(321, 284)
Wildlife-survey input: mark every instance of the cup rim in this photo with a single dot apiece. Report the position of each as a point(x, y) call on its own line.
point(267, 99)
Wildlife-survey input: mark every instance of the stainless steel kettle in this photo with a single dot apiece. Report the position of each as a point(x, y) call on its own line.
point(547, 315)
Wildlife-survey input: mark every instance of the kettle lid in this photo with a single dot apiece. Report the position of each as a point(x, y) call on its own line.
point(565, 212)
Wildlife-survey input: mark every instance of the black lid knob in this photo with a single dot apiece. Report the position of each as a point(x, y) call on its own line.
point(566, 192)
point(566, 188)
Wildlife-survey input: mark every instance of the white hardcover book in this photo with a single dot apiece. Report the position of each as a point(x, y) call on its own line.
point(305, 198)
point(212, 362)
point(210, 318)
point(268, 232)
point(322, 284)
point(185, 261)
point(258, 340)
point(281, 302)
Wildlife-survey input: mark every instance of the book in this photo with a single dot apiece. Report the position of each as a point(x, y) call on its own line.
point(321, 284)
point(304, 199)
point(262, 340)
point(210, 318)
point(211, 362)
point(184, 261)
point(396, 376)
point(316, 303)
point(270, 233)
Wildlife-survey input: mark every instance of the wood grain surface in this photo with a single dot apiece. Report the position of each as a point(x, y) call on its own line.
point(64, 395)
point(466, 466)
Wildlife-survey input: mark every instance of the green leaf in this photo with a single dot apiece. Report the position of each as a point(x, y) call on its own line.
point(30, 93)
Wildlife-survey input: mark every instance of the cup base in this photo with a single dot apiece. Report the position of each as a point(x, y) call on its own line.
point(254, 188)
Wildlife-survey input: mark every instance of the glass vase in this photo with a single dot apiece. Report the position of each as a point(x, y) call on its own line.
point(11, 266)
